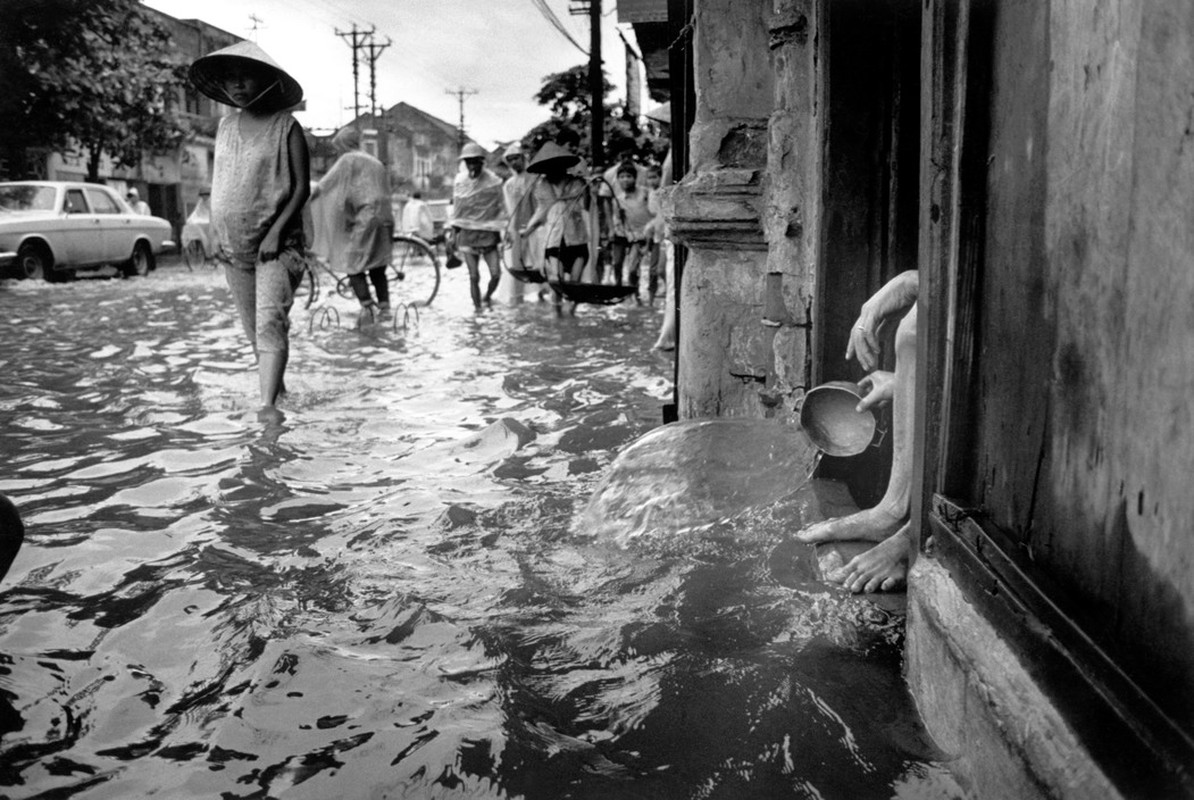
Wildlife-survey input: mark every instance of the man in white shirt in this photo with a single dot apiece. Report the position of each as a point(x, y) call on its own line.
point(138, 205)
point(416, 218)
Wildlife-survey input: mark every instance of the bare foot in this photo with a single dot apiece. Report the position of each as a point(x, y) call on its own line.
point(270, 415)
point(883, 568)
point(870, 525)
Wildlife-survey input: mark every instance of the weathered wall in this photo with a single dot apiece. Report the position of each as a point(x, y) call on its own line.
point(715, 211)
point(749, 209)
point(1086, 333)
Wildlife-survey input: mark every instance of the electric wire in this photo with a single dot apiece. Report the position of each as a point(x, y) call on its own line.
point(551, 17)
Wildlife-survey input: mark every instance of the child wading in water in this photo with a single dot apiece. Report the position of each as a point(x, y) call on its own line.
point(260, 185)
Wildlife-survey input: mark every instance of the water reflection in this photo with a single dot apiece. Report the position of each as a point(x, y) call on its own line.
point(386, 592)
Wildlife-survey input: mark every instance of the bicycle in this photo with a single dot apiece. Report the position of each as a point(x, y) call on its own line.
point(415, 259)
point(412, 258)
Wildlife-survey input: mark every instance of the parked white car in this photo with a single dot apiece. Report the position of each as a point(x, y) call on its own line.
point(50, 228)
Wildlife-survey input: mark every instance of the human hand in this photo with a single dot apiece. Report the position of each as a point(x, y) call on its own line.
point(268, 251)
point(864, 342)
point(877, 388)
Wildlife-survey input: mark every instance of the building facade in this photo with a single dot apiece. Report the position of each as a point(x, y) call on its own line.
point(169, 182)
point(420, 149)
point(1031, 160)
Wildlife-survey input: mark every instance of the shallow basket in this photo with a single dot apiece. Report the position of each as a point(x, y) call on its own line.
point(596, 293)
point(527, 275)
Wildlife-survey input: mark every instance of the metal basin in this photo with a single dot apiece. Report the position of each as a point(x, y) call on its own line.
point(829, 418)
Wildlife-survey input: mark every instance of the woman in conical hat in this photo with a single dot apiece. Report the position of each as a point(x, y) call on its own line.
point(562, 207)
point(278, 91)
point(259, 186)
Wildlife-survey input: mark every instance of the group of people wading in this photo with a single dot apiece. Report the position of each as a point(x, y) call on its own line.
point(262, 224)
point(543, 211)
point(555, 225)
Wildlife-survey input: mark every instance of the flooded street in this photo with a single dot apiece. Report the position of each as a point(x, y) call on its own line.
point(389, 594)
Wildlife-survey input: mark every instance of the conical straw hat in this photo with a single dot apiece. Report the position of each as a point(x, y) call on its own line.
point(207, 73)
point(552, 156)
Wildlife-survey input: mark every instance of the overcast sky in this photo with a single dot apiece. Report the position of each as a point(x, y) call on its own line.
point(501, 49)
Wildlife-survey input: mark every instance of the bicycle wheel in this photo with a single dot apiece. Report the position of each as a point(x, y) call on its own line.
point(415, 264)
point(194, 254)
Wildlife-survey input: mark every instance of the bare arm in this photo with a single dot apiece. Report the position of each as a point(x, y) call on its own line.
point(538, 216)
point(300, 177)
point(897, 296)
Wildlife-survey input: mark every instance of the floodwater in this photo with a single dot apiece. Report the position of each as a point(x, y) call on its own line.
point(397, 591)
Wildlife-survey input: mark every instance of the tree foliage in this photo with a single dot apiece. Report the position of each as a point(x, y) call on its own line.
point(95, 73)
point(568, 97)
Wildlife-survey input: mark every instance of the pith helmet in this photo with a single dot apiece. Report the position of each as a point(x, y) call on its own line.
point(207, 73)
point(513, 149)
point(471, 150)
point(551, 156)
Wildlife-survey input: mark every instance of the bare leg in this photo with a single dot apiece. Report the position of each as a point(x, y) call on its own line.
point(275, 293)
point(495, 274)
point(883, 568)
point(879, 523)
point(270, 368)
point(473, 261)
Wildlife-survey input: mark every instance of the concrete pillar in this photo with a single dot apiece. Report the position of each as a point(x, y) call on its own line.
point(716, 211)
point(749, 208)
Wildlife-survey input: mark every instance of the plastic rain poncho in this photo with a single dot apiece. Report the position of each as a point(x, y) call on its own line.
point(352, 219)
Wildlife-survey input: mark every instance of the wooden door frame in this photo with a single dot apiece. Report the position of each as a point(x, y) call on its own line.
point(1134, 741)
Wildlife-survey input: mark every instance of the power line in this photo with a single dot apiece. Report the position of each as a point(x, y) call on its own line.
point(551, 17)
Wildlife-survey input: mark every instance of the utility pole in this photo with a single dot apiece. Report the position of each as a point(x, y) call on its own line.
point(596, 87)
point(461, 93)
point(375, 51)
point(356, 40)
point(596, 79)
point(256, 20)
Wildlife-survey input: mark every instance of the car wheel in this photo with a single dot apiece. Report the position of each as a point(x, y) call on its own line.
point(34, 262)
point(141, 262)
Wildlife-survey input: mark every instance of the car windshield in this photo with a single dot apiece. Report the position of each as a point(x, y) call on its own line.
point(26, 197)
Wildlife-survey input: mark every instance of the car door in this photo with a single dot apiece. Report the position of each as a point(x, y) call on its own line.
point(115, 232)
point(79, 242)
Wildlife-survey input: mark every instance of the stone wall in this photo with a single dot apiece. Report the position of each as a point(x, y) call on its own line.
point(747, 210)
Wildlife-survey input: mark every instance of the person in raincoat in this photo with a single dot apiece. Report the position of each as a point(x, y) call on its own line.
point(524, 254)
point(477, 220)
point(354, 222)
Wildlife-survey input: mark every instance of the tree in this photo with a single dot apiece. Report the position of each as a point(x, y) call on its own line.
point(567, 95)
point(95, 73)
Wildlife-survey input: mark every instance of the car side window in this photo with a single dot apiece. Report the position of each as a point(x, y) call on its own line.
point(102, 202)
point(74, 202)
